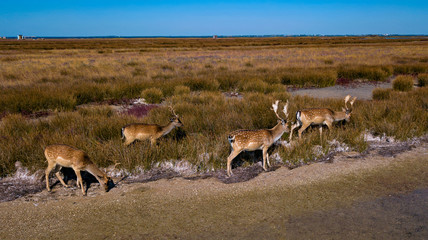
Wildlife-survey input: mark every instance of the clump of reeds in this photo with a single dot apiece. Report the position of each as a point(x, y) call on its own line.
point(309, 77)
point(381, 94)
point(181, 90)
point(374, 73)
point(403, 83)
point(152, 95)
point(423, 79)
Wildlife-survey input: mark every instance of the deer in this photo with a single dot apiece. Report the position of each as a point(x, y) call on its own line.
point(321, 116)
point(261, 139)
point(67, 156)
point(152, 132)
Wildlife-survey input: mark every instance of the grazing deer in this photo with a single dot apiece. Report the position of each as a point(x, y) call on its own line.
point(141, 131)
point(262, 139)
point(78, 160)
point(321, 116)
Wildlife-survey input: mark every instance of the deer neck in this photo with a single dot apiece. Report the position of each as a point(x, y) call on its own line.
point(339, 116)
point(168, 128)
point(277, 131)
point(92, 168)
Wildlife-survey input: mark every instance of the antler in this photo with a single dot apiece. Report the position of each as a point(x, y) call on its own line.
point(346, 100)
point(284, 110)
point(353, 100)
point(172, 111)
point(275, 109)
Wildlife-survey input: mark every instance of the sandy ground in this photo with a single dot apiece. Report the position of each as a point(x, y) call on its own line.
point(333, 200)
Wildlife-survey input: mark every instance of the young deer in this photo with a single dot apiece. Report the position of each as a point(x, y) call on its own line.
point(78, 160)
point(262, 139)
point(321, 116)
point(141, 131)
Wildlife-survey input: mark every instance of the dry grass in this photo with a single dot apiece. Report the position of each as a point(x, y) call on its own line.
point(34, 78)
point(403, 83)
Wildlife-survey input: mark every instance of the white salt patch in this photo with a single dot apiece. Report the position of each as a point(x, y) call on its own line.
point(283, 143)
point(276, 158)
point(182, 167)
point(23, 174)
point(338, 146)
point(371, 138)
point(139, 101)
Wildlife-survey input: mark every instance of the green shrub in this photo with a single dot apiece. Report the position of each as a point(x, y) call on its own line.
point(403, 83)
point(423, 79)
point(381, 94)
point(152, 95)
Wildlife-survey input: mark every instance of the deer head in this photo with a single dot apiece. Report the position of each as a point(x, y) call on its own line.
point(283, 121)
point(175, 118)
point(347, 110)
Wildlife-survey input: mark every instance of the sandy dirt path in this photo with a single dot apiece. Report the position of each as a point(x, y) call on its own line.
point(342, 199)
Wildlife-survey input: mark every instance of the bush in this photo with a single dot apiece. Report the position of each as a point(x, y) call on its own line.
point(410, 69)
point(256, 86)
point(381, 94)
point(423, 79)
point(201, 84)
point(181, 90)
point(403, 83)
point(364, 72)
point(308, 78)
point(152, 95)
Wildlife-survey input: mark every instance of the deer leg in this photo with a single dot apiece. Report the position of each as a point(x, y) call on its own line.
point(265, 158)
point(303, 128)
point(60, 179)
point(79, 180)
point(47, 172)
point(294, 126)
point(128, 141)
point(153, 141)
point(232, 155)
point(98, 179)
point(321, 133)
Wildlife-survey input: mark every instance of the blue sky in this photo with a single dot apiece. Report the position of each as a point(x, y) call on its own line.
point(197, 18)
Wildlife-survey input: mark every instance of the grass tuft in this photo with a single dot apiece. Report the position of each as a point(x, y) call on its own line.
point(403, 83)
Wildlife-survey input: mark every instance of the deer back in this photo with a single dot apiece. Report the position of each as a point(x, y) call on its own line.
point(315, 115)
point(67, 156)
point(140, 128)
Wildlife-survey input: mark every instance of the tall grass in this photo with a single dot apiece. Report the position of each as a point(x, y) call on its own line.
point(192, 74)
point(208, 117)
point(403, 83)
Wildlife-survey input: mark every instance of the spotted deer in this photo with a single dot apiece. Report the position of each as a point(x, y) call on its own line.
point(67, 156)
point(262, 139)
point(152, 132)
point(321, 116)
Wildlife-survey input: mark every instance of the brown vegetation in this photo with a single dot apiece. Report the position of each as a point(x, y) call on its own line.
point(55, 76)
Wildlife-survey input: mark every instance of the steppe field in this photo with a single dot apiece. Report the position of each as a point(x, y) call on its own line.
point(366, 179)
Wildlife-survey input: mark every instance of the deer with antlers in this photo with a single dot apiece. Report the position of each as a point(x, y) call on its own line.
point(141, 131)
point(67, 156)
point(321, 116)
point(262, 139)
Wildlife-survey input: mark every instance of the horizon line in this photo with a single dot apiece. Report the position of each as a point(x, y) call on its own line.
point(217, 36)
